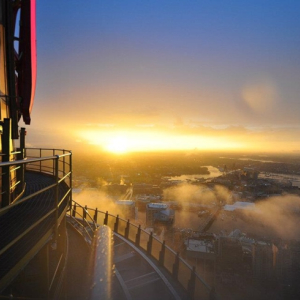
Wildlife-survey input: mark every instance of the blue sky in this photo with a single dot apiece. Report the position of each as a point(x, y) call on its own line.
point(201, 68)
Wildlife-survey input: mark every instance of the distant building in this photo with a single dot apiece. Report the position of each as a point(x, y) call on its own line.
point(230, 253)
point(263, 260)
point(201, 247)
point(145, 188)
point(126, 209)
point(159, 212)
point(239, 205)
point(287, 267)
point(143, 199)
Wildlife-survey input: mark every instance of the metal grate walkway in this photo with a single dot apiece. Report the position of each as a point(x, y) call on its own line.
point(21, 217)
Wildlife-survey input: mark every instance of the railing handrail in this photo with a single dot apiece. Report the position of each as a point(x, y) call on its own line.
point(86, 211)
point(137, 226)
point(31, 160)
point(48, 149)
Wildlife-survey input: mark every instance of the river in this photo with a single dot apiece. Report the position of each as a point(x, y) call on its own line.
point(213, 172)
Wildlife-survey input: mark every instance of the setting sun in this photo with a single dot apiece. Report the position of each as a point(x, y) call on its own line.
point(118, 144)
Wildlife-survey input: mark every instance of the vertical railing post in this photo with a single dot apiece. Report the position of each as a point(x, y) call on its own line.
point(176, 267)
point(74, 210)
point(64, 162)
point(53, 167)
point(149, 243)
point(96, 215)
point(71, 178)
point(127, 229)
point(138, 237)
point(106, 218)
point(84, 212)
point(56, 197)
point(6, 150)
point(21, 170)
point(41, 161)
point(192, 284)
point(162, 254)
point(116, 226)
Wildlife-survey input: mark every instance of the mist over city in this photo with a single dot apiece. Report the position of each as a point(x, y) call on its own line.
point(245, 206)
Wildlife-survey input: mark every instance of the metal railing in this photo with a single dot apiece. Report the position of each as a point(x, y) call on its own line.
point(44, 161)
point(167, 258)
point(83, 221)
point(37, 214)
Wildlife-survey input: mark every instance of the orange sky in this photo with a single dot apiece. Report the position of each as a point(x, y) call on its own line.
point(121, 138)
point(148, 76)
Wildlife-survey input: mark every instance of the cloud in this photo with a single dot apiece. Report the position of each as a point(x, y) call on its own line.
point(199, 194)
point(277, 216)
point(94, 198)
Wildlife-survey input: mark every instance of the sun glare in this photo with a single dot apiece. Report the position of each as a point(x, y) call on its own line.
point(134, 141)
point(118, 144)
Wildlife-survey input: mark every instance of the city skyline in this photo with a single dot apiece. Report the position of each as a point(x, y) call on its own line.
point(168, 75)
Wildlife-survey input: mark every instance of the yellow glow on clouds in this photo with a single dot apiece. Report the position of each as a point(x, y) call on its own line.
point(131, 141)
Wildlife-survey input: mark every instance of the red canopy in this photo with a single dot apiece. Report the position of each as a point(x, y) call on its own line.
point(27, 59)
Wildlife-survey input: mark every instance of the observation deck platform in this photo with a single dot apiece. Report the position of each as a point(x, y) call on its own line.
point(26, 223)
